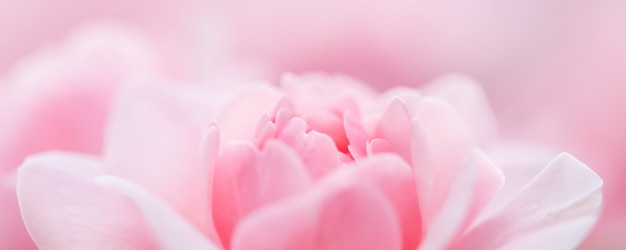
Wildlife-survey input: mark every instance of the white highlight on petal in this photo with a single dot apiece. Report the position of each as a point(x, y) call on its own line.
point(566, 192)
point(169, 229)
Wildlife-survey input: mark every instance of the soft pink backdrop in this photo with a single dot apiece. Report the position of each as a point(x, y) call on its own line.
point(552, 69)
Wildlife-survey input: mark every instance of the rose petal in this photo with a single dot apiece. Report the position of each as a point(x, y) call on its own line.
point(469, 100)
point(344, 223)
point(246, 179)
point(377, 146)
point(209, 150)
point(241, 115)
point(168, 228)
point(357, 136)
point(519, 164)
point(266, 130)
point(440, 149)
point(411, 96)
point(489, 181)
point(58, 98)
point(393, 176)
point(69, 116)
point(350, 215)
point(472, 189)
point(449, 218)
point(12, 229)
point(394, 127)
point(63, 209)
point(565, 192)
point(153, 141)
point(341, 93)
point(331, 125)
point(317, 150)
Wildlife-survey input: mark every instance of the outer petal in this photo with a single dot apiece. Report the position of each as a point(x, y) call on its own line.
point(566, 192)
point(12, 230)
point(519, 164)
point(169, 229)
point(348, 215)
point(63, 209)
point(469, 100)
point(58, 98)
point(358, 218)
point(246, 179)
point(393, 176)
point(440, 149)
point(395, 126)
point(489, 181)
point(153, 140)
point(454, 183)
point(209, 150)
point(472, 188)
point(68, 116)
point(242, 114)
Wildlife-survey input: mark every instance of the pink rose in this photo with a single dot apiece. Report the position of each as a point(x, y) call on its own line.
point(319, 162)
point(554, 74)
point(58, 98)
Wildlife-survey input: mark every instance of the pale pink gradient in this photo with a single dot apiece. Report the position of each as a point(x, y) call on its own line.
point(401, 170)
point(581, 82)
point(551, 68)
point(58, 98)
point(188, 33)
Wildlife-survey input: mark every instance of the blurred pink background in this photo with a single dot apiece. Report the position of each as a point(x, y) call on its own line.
point(554, 71)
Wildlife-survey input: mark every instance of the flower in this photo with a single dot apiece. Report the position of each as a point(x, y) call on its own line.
point(319, 162)
point(544, 61)
point(554, 75)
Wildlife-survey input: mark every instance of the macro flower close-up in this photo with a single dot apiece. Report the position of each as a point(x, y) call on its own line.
point(320, 162)
point(312, 124)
